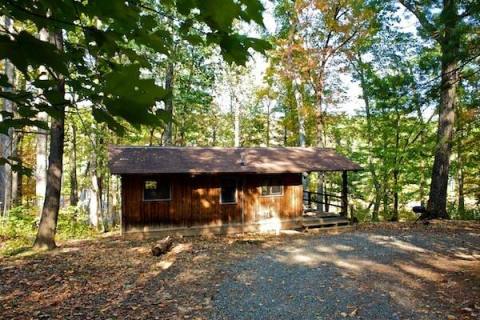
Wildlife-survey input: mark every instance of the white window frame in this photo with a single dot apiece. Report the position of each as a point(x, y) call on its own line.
point(270, 195)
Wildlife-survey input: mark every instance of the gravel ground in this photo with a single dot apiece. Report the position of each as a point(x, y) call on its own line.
point(364, 275)
point(378, 271)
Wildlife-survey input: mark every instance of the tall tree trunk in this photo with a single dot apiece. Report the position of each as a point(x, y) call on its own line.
point(17, 152)
point(437, 201)
point(42, 144)
point(73, 169)
point(169, 80)
point(41, 162)
point(320, 126)
point(6, 141)
point(396, 170)
point(48, 221)
point(460, 165)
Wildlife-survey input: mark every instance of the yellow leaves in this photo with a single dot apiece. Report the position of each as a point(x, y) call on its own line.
point(323, 5)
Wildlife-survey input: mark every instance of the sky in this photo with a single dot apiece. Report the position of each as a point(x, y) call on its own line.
point(258, 63)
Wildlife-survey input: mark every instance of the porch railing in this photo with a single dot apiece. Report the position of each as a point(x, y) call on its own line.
point(314, 200)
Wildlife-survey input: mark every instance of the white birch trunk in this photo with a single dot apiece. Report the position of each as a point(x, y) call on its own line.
point(42, 145)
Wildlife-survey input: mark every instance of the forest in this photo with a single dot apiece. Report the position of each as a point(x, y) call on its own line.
point(392, 85)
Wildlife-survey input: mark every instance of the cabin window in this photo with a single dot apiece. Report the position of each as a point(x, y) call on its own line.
point(228, 192)
point(156, 190)
point(272, 187)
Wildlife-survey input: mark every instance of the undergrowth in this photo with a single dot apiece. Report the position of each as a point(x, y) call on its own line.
point(19, 227)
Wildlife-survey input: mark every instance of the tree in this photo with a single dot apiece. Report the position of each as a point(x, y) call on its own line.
point(45, 238)
point(449, 27)
point(97, 62)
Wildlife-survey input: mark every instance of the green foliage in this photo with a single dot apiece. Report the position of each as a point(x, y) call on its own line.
point(73, 224)
point(105, 50)
point(467, 214)
point(20, 223)
point(18, 228)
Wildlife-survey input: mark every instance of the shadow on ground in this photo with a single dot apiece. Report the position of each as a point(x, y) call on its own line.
point(370, 274)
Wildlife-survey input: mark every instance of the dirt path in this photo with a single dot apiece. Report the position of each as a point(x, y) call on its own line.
point(381, 272)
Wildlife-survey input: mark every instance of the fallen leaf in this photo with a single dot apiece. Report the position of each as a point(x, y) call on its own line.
point(354, 312)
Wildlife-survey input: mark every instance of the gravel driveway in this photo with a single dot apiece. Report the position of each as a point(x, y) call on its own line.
point(364, 275)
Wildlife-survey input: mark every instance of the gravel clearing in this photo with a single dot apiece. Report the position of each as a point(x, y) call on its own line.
point(376, 271)
point(389, 274)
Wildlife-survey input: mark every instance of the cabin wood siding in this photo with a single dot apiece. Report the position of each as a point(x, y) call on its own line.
point(195, 201)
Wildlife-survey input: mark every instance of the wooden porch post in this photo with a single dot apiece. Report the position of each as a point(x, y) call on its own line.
point(344, 193)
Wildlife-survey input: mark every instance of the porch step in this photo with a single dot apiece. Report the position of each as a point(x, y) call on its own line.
point(314, 222)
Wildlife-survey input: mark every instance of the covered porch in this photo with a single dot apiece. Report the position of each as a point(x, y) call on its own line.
point(327, 208)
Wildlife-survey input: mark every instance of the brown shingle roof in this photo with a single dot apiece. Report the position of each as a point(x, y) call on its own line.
point(151, 160)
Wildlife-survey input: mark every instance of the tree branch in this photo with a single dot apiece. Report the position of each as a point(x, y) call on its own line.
point(415, 9)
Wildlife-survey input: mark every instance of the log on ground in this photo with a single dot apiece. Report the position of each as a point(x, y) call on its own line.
point(162, 246)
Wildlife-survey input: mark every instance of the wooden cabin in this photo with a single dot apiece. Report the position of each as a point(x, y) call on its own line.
point(190, 190)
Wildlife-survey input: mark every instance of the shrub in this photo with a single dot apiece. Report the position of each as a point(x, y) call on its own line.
point(17, 230)
point(73, 224)
point(20, 222)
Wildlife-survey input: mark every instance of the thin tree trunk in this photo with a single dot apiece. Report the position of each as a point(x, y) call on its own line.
point(169, 80)
point(376, 204)
point(301, 126)
point(385, 187)
point(460, 166)
point(396, 170)
point(214, 132)
point(268, 124)
point(94, 205)
point(437, 201)
point(460, 185)
point(395, 196)
point(151, 135)
point(236, 122)
point(73, 169)
point(320, 125)
point(48, 222)
point(16, 175)
point(101, 209)
point(301, 116)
